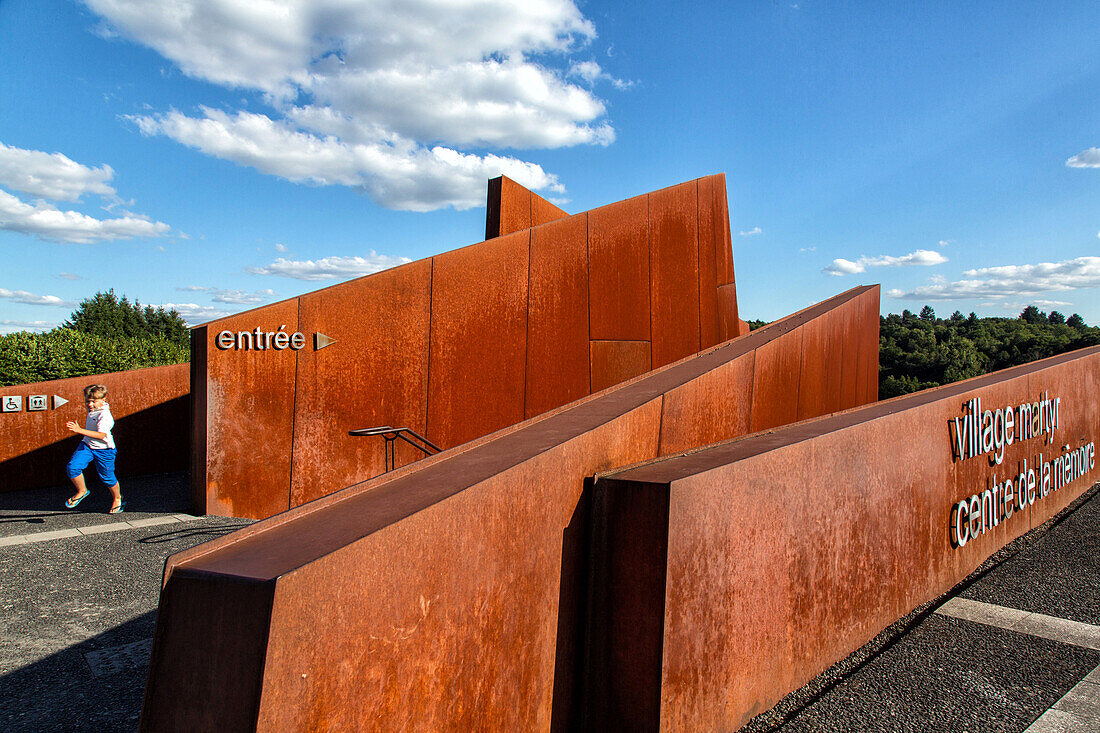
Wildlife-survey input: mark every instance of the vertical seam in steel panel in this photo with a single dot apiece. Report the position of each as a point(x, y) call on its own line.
point(801, 350)
point(527, 314)
point(698, 275)
point(588, 264)
point(428, 358)
point(649, 266)
point(294, 409)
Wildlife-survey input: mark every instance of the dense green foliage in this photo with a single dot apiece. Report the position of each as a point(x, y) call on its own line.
point(104, 334)
point(106, 315)
point(921, 351)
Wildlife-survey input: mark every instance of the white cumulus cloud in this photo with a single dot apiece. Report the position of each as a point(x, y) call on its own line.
point(22, 296)
point(51, 175)
point(922, 257)
point(10, 326)
point(750, 232)
point(329, 268)
point(46, 221)
point(193, 313)
point(1009, 281)
point(1085, 159)
point(392, 97)
point(233, 297)
point(398, 176)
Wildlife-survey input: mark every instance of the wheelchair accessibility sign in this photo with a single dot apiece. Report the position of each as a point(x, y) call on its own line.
point(12, 403)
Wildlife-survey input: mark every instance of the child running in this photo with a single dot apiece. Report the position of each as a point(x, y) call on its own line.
point(97, 445)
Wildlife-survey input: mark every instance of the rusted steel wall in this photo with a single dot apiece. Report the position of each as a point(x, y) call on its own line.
point(460, 344)
point(769, 558)
point(150, 407)
point(510, 208)
point(448, 594)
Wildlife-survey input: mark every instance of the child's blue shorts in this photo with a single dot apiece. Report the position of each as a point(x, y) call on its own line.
point(104, 463)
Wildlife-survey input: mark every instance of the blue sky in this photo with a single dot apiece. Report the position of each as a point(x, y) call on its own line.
point(214, 155)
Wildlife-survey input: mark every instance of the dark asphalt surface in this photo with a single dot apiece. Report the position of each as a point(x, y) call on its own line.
point(77, 614)
point(66, 601)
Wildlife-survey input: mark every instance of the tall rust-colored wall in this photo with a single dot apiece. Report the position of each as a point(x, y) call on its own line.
point(150, 407)
point(449, 594)
point(460, 344)
point(510, 208)
point(771, 557)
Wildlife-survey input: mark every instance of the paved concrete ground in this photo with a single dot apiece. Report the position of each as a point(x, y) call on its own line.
point(1015, 647)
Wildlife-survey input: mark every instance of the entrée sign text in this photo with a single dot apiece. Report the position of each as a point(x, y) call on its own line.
point(260, 340)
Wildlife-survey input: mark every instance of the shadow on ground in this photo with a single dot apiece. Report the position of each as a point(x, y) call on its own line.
point(156, 493)
point(63, 692)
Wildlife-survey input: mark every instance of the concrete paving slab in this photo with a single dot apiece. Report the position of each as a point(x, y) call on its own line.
point(54, 534)
point(98, 528)
point(1057, 721)
point(982, 613)
point(1082, 701)
point(152, 521)
point(14, 540)
point(1060, 629)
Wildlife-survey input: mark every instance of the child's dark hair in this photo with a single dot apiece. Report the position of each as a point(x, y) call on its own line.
point(95, 391)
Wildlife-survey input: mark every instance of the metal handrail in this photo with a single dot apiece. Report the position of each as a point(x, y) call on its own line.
point(390, 435)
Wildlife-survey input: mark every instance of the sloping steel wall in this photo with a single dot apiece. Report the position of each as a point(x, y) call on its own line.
point(461, 344)
point(733, 575)
point(151, 412)
point(450, 594)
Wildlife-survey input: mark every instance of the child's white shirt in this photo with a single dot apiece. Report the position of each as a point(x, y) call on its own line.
point(100, 421)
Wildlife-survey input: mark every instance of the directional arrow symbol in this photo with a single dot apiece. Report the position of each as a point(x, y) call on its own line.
point(320, 341)
point(58, 401)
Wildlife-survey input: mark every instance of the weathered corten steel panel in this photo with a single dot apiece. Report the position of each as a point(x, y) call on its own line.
point(478, 339)
point(776, 372)
point(715, 406)
point(557, 320)
point(618, 261)
point(249, 417)
point(814, 385)
point(506, 326)
point(723, 237)
point(708, 273)
point(150, 407)
point(385, 383)
point(674, 272)
point(849, 355)
point(618, 361)
point(859, 506)
point(729, 326)
point(511, 208)
point(389, 593)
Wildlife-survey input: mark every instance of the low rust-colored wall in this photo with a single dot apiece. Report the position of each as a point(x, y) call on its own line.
point(449, 593)
point(767, 559)
point(461, 344)
point(151, 412)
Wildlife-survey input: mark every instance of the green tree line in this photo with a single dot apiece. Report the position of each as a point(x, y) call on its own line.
point(104, 334)
point(921, 351)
